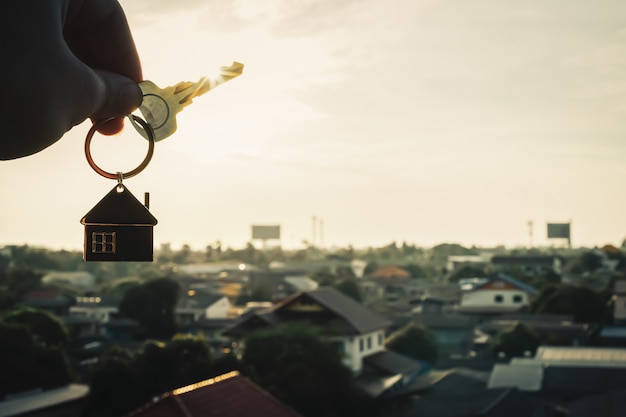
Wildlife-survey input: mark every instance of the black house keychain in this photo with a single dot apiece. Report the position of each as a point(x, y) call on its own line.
point(119, 227)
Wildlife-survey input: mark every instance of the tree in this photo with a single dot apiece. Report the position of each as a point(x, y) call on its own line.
point(350, 288)
point(44, 327)
point(414, 341)
point(21, 280)
point(324, 277)
point(28, 363)
point(152, 304)
point(467, 271)
point(122, 381)
point(516, 341)
point(113, 385)
point(277, 358)
point(442, 251)
point(416, 270)
point(585, 304)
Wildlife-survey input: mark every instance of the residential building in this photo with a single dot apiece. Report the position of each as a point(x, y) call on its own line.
point(355, 330)
point(529, 265)
point(195, 306)
point(619, 303)
point(80, 279)
point(564, 372)
point(501, 294)
point(101, 307)
point(65, 401)
point(55, 302)
point(227, 395)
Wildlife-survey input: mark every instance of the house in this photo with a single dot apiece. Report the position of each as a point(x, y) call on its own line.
point(55, 302)
point(454, 333)
point(118, 228)
point(619, 303)
point(455, 262)
point(355, 330)
point(214, 269)
point(464, 393)
point(81, 279)
point(551, 329)
point(227, 395)
point(391, 283)
point(564, 372)
point(529, 265)
point(100, 308)
point(387, 374)
point(196, 305)
point(65, 401)
point(501, 294)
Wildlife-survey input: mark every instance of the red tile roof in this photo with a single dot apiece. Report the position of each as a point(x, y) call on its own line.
point(228, 395)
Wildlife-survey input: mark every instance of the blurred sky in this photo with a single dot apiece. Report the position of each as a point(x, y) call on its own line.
point(424, 121)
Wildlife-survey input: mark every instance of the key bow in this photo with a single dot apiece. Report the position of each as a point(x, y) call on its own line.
point(160, 105)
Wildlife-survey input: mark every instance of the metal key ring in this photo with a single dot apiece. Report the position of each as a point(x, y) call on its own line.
point(150, 136)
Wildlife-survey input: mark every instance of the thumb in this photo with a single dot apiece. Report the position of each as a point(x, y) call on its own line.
point(120, 96)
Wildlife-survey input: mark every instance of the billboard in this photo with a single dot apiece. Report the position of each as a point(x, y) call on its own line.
point(265, 232)
point(558, 230)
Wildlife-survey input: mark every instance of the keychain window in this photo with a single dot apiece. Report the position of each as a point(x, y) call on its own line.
point(103, 242)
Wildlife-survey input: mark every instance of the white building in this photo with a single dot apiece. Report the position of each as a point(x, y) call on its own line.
point(500, 294)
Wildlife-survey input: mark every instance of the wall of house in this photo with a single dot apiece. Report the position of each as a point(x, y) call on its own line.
point(102, 314)
point(494, 298)
point(218, 309)
point(619, 309)
point(355, 348)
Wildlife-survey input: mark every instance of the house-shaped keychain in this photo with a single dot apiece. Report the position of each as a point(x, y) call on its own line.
point(119, 228)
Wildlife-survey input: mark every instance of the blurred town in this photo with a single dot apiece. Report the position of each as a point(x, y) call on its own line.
point(397, 330)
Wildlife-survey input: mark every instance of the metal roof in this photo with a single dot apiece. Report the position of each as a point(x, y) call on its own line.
point(361, 318)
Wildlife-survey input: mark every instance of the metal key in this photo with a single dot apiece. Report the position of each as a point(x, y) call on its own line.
point(160, 105)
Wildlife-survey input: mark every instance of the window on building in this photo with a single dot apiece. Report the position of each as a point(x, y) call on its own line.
point(361, 345)
point(103, 242)
point(339, 345)
point(498, 298)
point(369, 342)
point(380, 339)
point(517, 298)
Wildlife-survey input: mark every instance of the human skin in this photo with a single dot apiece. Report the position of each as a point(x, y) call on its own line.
point(63, 61)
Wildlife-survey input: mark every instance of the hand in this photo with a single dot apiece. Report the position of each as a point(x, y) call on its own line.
point(62, 62)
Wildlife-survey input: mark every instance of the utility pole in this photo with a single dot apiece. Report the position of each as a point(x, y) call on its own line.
point(530, 233)
point(321, 232)
point(314, 224)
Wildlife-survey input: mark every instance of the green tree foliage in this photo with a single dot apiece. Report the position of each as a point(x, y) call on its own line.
point(414, 341)
point(21, 280)
point(350, 288)
point(371, 267)
point(33, 258)
point(516, 341)
point(324, 277)
point(114, 386)
point(587, 261)
point(585, 304)
point(442, 251)
point(27, 362)
point(298, 367)
point(45, 328)
point(122, 381)
point(415, 270)
point(467, 271)
point(152, 304)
